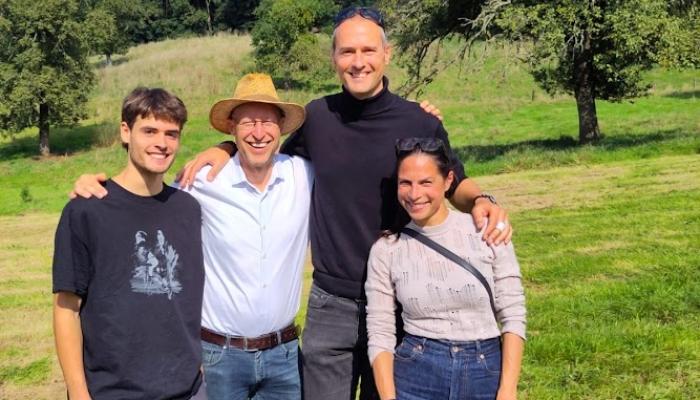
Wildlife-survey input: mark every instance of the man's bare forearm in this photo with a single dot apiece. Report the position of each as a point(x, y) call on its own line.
point(69, 344)
point(464, 195)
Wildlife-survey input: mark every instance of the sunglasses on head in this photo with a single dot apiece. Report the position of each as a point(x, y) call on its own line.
point(369, 13)
point(428, 145)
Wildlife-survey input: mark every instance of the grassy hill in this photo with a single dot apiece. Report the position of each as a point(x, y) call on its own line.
point(498, 119)
point(607, 234)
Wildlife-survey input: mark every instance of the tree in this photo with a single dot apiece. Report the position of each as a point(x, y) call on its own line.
point(593, 49)
point(347, 3)
point(285, 43)
point(103, 34)
point(114, 25)
point(44, 74)
point(177, 18)
point(237, 14)
point(596, 49)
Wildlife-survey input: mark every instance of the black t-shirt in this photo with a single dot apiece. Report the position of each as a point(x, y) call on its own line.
point(137, 264)
point(351, 144)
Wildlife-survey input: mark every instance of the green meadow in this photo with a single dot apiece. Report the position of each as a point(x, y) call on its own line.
point(608, 235)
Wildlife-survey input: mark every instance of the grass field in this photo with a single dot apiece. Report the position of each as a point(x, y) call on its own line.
point(608, 235)
point(610, 259)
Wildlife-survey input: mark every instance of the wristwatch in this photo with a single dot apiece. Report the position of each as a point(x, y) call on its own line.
point(486, 196)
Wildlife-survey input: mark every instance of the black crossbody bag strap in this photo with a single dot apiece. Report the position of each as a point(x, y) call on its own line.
point(455, 258)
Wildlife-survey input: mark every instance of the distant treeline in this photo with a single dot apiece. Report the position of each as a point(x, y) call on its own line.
point(151, 20)
point(592, 50)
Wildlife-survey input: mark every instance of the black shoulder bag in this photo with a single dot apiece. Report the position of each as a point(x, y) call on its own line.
point(453, 257)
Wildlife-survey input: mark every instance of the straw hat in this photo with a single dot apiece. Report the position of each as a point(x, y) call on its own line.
point(256, 88)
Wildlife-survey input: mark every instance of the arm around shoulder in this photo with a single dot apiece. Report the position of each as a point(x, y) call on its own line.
point(217, 156)
point(469, 198)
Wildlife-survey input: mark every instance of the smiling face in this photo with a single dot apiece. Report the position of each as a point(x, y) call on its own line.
point(421, 189)
point(256, 127)
point(360, 55)
point(152, 144)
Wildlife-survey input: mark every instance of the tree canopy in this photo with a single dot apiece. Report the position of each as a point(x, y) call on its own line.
point(285, 44)
point(44, 74)
point(592, 49)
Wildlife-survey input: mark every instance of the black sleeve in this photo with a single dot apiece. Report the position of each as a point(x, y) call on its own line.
point(71, 259)
point(295, 145)
point(457, 166)
point(232, 143)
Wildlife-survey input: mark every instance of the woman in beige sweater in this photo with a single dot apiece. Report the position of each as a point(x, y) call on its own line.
point(453, 348)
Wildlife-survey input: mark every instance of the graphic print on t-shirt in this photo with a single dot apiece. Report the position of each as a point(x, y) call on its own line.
point(156, 263)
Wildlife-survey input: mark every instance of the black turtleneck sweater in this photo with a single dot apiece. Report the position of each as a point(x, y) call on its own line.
point(350, 143)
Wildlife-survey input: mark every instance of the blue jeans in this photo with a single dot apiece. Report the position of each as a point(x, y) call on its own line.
point(439, 369)
point(233, 374)
point(334, 349)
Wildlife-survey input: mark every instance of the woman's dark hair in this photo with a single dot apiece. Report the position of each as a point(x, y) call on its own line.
point(436, 149)
point(433, 147)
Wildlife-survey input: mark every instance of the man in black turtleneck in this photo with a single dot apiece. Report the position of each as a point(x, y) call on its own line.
point(350, 139)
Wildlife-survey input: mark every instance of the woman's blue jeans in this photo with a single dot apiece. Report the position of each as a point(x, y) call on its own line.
point(438, 369)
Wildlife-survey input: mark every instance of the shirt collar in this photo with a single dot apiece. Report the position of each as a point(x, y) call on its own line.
point(236, 175)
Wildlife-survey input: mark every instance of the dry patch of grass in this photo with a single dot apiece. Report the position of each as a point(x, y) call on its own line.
point(28, 369)
point(199, 70)
point(574, 187)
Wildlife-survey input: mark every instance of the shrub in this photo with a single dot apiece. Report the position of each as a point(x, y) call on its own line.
point(285, 45)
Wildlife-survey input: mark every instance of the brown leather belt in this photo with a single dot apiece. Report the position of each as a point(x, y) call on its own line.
point(262, 342)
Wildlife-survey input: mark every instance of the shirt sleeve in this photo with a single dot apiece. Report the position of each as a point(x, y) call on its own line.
point(456, 164)
point(71, 260)
point(509, 293)
point(307, 169)
point(295, 145)
point(381, 306)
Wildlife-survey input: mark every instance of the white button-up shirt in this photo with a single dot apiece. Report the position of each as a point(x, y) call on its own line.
point(254, 246)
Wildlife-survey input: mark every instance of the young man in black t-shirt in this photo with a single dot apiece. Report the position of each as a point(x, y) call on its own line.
point(128, 272)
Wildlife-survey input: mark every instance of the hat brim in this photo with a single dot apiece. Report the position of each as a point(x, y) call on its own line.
point(294, 114)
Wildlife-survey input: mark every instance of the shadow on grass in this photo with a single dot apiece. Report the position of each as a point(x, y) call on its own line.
point(684, 95)
point(482, 153)
point(63, 141)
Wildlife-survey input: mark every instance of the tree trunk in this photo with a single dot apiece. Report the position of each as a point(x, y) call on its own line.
point(211, 31)
point(44, 129)
point(108, 61)
point(588, 130)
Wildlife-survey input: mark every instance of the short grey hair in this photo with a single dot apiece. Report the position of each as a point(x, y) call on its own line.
point(385, 41)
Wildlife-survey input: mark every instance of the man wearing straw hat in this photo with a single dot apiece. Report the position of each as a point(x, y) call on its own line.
point(255, 220)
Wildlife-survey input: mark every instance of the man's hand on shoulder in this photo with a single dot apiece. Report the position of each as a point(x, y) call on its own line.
point(89, 185)
point(217, 156)
point(498, 230)
point(431, 109)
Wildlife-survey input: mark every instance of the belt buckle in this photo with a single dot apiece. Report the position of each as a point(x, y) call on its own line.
point(245, 345)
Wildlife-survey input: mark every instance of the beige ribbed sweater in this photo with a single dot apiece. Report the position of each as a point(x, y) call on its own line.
point(440, 299)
